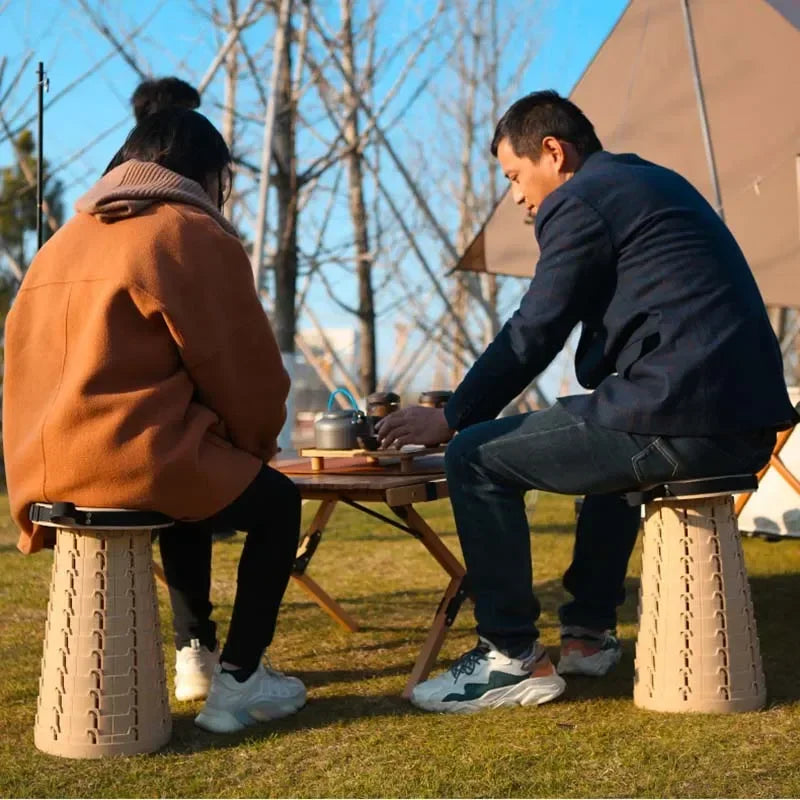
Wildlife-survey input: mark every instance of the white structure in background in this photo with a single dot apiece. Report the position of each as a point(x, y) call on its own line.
point(774, 510)
point(310, 390)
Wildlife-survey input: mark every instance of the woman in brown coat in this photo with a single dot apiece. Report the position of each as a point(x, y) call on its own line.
point(142, 373)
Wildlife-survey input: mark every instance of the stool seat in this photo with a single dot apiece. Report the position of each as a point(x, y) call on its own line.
point(706, 487)
point(103, 689)
point(67, 515)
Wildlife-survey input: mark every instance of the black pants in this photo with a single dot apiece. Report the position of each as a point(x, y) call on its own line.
point(269, 512)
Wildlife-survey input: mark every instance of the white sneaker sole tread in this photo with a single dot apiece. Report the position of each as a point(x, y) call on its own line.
point(528, 692)
point(222, 721)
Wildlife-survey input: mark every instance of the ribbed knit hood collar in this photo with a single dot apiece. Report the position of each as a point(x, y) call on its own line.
point(136, 185)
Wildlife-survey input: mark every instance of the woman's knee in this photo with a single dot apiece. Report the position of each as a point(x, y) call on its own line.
point(286, 496)
point(272, 504)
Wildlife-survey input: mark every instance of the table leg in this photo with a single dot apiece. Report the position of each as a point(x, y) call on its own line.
point(326, 602)
point(309, 542)
point(433, 544)
point(451, 565)
point(305, 551)
point(433, 642)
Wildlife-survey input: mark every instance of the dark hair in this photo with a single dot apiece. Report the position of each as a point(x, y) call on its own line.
point(540, 114)
point(159, 93)
point(181, 140)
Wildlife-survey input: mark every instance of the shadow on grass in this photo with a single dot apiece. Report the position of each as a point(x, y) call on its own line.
point(392, 644)
point(323, 677)
point(410, 598)
point(411, 601)
point(551, 595)
point(383, 535)
point(775, 598)
point(321, 712)
point(552, 527)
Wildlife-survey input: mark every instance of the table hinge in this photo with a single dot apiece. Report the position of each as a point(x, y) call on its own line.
point(454, 606)
point(306, 550)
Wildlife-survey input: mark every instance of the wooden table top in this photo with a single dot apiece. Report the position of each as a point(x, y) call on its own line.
point(367, 482)
point(421, 465)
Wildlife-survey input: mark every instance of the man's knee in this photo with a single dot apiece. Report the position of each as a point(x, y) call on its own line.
point(462, 452)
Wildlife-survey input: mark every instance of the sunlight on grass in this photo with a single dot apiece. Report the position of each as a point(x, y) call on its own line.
point(358, 738)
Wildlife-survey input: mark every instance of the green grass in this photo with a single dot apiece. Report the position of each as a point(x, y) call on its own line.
point(358, 738)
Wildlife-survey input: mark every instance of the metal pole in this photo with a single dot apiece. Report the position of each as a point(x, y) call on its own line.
point(701, 108)
point(266, 147)
point(40, 157)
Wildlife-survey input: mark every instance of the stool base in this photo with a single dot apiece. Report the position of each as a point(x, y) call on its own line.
point(697, 648)
point(102, 690)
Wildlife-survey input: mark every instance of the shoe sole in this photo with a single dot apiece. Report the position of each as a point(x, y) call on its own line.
point(218, 721)
point(594, 666)
point(187, 696)
point(530, 692)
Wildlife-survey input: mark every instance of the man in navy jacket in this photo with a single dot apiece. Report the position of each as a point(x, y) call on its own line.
point(687, 378)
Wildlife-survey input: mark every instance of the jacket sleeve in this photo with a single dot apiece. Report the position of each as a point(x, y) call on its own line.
point(576, 251)
point(223, 334)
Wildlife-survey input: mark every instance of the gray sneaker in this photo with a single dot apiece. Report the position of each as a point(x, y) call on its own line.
point(588, 652)
point(265, 695)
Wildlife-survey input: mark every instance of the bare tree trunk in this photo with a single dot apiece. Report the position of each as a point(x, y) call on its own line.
point(489, 282)
point(358, 212)
point(469, 49)
point(229, 100)
point(287, 190)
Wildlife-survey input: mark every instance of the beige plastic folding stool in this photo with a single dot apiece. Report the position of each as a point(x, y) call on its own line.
point(697, 648)
point(102, 690)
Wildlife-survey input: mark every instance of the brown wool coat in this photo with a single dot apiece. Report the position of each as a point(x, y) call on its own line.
point(141, 371)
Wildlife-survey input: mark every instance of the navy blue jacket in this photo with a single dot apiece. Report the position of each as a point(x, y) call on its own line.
point(675, 337)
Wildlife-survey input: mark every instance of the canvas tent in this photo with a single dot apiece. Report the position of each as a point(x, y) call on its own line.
point(644, 95)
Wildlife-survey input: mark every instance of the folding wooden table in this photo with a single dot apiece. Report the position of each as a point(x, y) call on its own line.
point(354, 481)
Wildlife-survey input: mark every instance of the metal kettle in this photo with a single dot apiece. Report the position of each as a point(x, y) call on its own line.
point(340, 429)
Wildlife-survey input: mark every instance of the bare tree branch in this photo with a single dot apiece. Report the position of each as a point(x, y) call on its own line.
point(413, 188)
point(347, 377)
point(29, 175)
point(15, 80)
point(107, 34)
point(13, 263)
point(83, 76)
point(241, 23)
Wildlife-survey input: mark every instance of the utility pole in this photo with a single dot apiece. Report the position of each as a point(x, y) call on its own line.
point(42, 86)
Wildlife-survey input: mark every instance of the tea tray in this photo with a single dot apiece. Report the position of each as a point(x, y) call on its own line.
point(405, 455)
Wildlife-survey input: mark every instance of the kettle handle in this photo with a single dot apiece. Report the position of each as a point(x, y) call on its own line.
point(346, 393)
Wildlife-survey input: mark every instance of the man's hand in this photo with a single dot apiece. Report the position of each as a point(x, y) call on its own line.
point(414, 425)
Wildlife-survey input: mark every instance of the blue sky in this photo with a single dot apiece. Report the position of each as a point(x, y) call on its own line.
point(553, 40)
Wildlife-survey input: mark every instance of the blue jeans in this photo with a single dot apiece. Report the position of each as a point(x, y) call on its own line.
point(492, 464)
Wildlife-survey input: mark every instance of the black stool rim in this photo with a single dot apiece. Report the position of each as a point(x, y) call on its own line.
point(672, 490)
point(68, 515)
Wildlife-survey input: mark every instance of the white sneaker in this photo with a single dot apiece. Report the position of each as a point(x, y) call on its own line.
point(266, 694)
point(194, 666)
point(485, 677)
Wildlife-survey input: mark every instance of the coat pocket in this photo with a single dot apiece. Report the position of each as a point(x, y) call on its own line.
point(654, 463)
